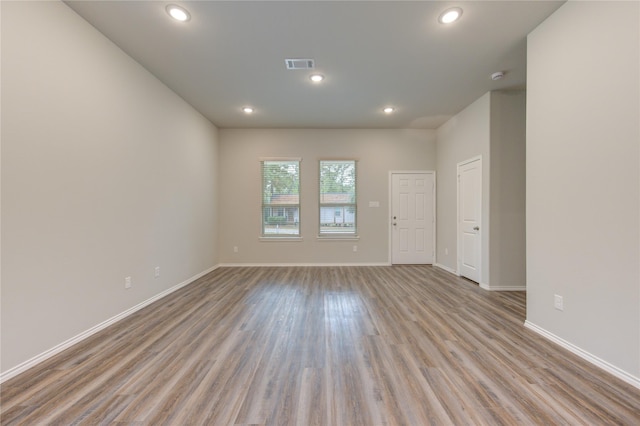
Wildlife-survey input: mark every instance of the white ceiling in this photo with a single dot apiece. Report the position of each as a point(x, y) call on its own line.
point(373, 54)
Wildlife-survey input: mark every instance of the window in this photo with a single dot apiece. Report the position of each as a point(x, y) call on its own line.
point(338, 198)
point(281, 198)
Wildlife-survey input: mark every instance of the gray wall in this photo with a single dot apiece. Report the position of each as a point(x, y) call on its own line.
point(507, 242)
point(583, 189)
point(377, 152)
point(466, 135)
point(105, 174)
point(492, 127)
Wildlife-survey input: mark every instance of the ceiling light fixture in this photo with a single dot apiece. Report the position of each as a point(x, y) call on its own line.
point(450, 15)
point(317, 78)
point(248, 110)
point(388, 110)
point(178, 13)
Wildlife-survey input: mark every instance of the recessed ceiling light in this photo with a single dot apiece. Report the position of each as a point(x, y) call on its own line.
point(450, 15)
point(178, 13)
point(317, 78)
point(248, 110)
point(388, 110)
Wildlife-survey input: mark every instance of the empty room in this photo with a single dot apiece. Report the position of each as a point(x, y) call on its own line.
point(319, 212)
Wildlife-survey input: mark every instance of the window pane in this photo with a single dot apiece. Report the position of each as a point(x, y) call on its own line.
point(337, 182)
point(281, 221)
point(337, 220)
point(281, 198)
point(338, 197)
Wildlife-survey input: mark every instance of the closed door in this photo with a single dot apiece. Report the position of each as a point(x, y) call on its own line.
point(469, 218)
point(412, 218)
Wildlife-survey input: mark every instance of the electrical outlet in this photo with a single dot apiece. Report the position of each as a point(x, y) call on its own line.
point(446, 252)
point(156, 272)
point(235, 249)
point(127, 282)
point(355, 248)
point(558, 302)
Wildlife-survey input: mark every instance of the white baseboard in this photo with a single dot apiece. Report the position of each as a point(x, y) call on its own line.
point(20, 368)
point(446, 268)
point(238, 265)
point(483, 285)
point(609, 368)
point(503, 288)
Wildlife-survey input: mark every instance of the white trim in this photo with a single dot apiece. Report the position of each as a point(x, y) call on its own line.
point(604, 365)
point(292, 237)
point(390, 204)
point(458, 228)
point(470, 160)
point(411, 172)
point(503, 288)
point(242, 265)
point(22, 367)
point(276, 239)
point(446, 268)
point(330, 235)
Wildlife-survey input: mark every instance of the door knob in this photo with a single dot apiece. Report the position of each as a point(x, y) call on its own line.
point(476, 228)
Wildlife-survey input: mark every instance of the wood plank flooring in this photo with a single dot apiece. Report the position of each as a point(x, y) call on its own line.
point(402, 345)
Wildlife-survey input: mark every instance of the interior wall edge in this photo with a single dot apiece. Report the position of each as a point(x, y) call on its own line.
point(446, 268)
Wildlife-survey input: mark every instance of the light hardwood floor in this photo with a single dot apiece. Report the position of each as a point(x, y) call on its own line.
point(409, 345)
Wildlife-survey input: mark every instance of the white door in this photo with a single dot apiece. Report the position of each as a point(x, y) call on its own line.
point(469, 218)
point(412, 218)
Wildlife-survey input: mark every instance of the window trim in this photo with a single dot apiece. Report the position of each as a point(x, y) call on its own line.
point(338, 236)
point(280, 237)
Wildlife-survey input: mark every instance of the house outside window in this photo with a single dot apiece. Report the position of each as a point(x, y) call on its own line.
point(280, 198)
point(338, 208)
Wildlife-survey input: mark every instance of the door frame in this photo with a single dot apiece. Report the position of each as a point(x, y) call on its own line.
point(459, 228)
point(390, 212)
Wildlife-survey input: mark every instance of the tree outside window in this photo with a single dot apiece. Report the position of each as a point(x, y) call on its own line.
point(338, 197)
point(280, 198)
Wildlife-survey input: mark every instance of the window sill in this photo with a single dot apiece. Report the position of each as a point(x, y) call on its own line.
point(278, 239)
point(337, 237)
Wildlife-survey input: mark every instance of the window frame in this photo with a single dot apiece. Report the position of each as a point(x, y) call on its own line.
point(284, 206)
point(344, 207)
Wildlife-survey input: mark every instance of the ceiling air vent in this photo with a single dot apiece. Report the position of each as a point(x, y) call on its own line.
point(299, 64)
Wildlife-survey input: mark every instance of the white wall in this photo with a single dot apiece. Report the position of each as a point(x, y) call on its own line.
point(583, 189)
point(377, 152)
point(466, 135)
point(105, 174)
